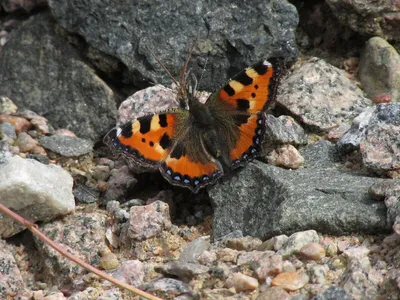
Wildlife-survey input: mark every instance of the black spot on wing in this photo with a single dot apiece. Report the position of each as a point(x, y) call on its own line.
point(260, 68)
point(163, 120)
point(240, 119)
point(244, 79)
point(126, 131)
point(165, 141)
point(243, 104)
point(178, 151)
point(229, 90)
point(144, 124)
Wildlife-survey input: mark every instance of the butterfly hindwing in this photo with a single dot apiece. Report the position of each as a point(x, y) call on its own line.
point(189, 164)
point(147, 140)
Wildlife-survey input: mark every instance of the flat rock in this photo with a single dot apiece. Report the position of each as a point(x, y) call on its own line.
point(36, 191)
point(66, 145)
point(71, 95)
point(379, 69)
point(321, 96)
point(276, 201)
point(228, 45)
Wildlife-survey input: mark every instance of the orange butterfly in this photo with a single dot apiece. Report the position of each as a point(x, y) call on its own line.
point(196, 146)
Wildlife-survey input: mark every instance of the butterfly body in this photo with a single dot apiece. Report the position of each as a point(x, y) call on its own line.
point(194, 147)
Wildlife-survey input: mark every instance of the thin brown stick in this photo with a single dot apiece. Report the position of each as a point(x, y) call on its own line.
point(34, 229)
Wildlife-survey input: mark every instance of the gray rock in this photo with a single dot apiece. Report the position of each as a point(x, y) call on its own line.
point(378, 69)
point(284, 130)
point(7, 129)
point(321, 96)
point(119, 183)
point(193, 250)
point(369, 17)
point(321, 154)
point(232, 36)
point(168, 287)
point(85, 194)
point(183, 270)
point(66, 145)
point(276, 201)
point(36, 191)
point(333, 293)
point(375, 133)
point(54, 80)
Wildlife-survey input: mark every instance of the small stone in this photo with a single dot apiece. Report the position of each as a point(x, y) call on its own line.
point(242, 282)
point(286, 156)
point(145, 222)
point(25, 142)
point(67, 146)
point(183, 270)
point(65, 132)
point(290, 281)
point(7, 129)
point(317, 273)
point(85, 194)
point(7, 106)
point(268, 266)
point(167, 288)
point(108, 260)
point(275, 243)
point(194, 249)
point(343, 245)
point(246, 243)
point(297, 240)
point(313, 251)
point(20, 124)
point(207, 258)
point(101, 172)
point(356, 252)
point(40, 124)
point(274, 293)
point(331, 249)
point(333, 293)
point(227, 255)
point(288, 267)
point(283, 130)
point(38, 150)
point(131, 272)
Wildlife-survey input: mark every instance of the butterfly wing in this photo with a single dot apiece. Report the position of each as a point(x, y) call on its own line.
point(189, 164)
point(242, 102)
point(147, 140)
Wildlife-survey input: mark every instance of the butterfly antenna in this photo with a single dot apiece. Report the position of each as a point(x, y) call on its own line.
point(203, 71)
point(163, 66)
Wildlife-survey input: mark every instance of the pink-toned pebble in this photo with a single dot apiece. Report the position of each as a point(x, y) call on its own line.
point(269, 266)
point(25, 142)
point(313, 251)
point(38, 150)
point(383, 98)
point(227, 255)
point(242, 282)
point(66, 132)
point(290, 281)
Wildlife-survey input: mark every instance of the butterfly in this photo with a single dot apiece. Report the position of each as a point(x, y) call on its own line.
point(195, 147)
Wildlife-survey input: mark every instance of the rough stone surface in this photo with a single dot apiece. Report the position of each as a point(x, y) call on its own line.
point(290, 281)
point(11, 280)
point(146, 221)
point(275, 201)
point(333, 293)
point(369, 17)
point(379, 69)
point(218, 28)
point(321, 154)
point(168, 288)
point(7, 106)
point(36, 191)
point(194, 249)
point(321, 96)
point(297, 241)
point(375, 132)
point(283, 130)
point(71, 95)
point(66, 145)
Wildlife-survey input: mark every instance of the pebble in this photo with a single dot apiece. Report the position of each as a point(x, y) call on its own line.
point(20, 124)
point(290, 281)
point(274, 293)
point(7, 129)
point(242, 282)
point(227, 255)
point(246, 243)
point(131, 271)
point(108, 260)
point(25, 142)
point(268, 266)
point(207, 258)
point(7, 106)
point(286, 156)
point(101, 172)
point(194, 249)
point(317, 273)
point(183, 270)
point(66, 145)
point(297, 240)
point(85, 194)
point(313, 251)
point(275, 243)
point(40, 124)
